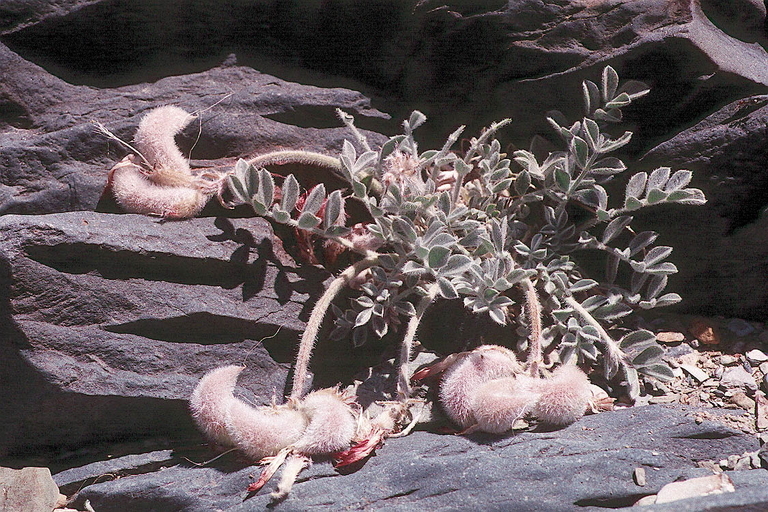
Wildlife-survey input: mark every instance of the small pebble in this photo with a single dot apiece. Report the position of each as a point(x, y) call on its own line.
point(639, 477)
point(695, 372)
point(743, 401)
point(764, 368)
point(755, 357)
point(728, 360)
point(738, 377)
point(670, 337)
point(666, 399)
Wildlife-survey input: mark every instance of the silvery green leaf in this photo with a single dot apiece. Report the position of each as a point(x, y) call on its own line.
point(405, 308)
point(622, 100)
point(280, 216)
point(438, 256)
point(337, 231)
point(611, 116)
point(416, 119)
point(641, 241)
point(444, 202)
point(498, 315)
point(696, 197)
point(443, 239)
point(347, 158)
point(522, 183)
point(636, 185)
point(411, 267)
point(655, 196)
point(447, 290)
point(583, 285)
point(237, 188)
point(252, 179)
point(636, 339)
point(563, 179)
point(308, 220)
point(363, 317)
point(612, 145)
point(634, 89)
point(359, 336)
point(660, 371)
point(593, 302)
point(241, 169)
point(608, 166)
point(456, 264)
point(567, 352)
point(266, 192)
point(612, 312)
point(290, 193)
point(404, 227)
point(591, 133)
point(364, 301)
point(637, 281)
point(580, 150)
point(258, 207)
point(668, 299)
point(658, 178)
point(333, 208)
point(615, 227)
point(678, 180)
point(657, 254)
point(366, 160)
point(612, 268)
point(633, 382)
point(591, 96)
point(632, 204)
point(502, 186)
point(637, 266)
point(609, 84)
point(650, 354)
point(500, 174)
point(359, 190)
point(314, 199)
point(589, 332)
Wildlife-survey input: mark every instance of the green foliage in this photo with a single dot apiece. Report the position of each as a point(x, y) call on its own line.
point(479, 224)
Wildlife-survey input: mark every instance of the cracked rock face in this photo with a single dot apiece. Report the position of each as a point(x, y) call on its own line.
point(107, 327)
point(108, 321)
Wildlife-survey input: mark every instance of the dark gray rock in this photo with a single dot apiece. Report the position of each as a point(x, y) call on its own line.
point(588, 465)
point(110, 320)
point(722, 246)
point(54, 159)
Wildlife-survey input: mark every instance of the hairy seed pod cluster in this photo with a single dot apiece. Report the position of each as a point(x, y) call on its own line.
point(486, 390)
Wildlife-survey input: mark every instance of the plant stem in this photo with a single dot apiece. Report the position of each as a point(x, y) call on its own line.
point(297, 157)
point(316, 320)
point(403, 385)
point(534, 321)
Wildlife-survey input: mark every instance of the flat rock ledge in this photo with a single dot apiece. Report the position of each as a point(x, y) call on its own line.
point(586, 466)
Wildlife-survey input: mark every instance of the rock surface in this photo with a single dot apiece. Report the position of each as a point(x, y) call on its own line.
point(107, 326)
point(107, 321)
point(588, 465)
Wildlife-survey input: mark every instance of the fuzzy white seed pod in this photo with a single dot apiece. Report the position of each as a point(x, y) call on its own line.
point(564, 398)
point(155, 139)
point(210, 402)
point(472, 369)
point(332, 423)
point(136, 193)
point(498, 403)
point(262, 431)
point(227, 420)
